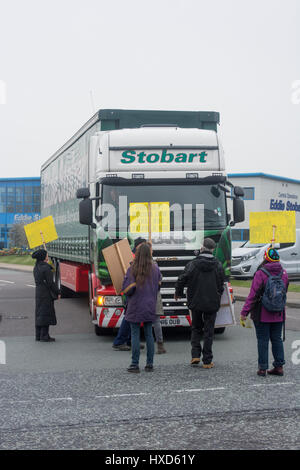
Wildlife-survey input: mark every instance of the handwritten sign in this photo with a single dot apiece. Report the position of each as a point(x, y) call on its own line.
point(139, 219)
point(40, 232)
point(159, 217)
point(279, 227)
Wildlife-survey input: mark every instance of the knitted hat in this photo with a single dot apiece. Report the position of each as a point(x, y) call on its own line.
point(271, 255)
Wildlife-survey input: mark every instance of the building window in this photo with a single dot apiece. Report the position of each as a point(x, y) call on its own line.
point(19, 200)
point(3, 199)
point(240, 234)
point(36, 199)
point(11, 199)
point(248, 194)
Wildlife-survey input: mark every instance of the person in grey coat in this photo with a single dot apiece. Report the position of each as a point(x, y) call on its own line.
point(45, 293)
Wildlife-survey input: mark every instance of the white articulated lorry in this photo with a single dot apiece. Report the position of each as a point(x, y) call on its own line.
point(122, 157)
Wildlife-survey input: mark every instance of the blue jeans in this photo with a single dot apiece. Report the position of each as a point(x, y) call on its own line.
point(135, 342)
point(124, 333)
point(266, 332)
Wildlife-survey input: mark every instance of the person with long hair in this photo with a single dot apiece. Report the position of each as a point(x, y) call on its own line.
point(268, 324)
point(141, 285)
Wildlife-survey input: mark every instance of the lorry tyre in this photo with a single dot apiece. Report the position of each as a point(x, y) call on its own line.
point(90, 298)
point(219, 331)
point(65, 292)
point(103, 331)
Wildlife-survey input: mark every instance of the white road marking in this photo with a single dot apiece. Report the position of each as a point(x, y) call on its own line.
point(122, 395)
point(272, 385)
point(39, 400)
point(200, 389)
point(29, 285)
point(5, 401)
point(60, 399)
point(8, 282)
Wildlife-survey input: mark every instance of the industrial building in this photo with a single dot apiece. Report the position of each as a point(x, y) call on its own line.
point(264, 192)
point(20, 202)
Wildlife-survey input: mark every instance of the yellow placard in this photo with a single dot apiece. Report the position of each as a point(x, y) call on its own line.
point(160, 217)
point(279, 227)
point(138, 212)
point(139, 217)
point(40, 232)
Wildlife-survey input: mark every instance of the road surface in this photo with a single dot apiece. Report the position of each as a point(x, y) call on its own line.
point(76, 393)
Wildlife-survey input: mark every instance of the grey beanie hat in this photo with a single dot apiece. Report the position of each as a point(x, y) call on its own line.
point(209, 244)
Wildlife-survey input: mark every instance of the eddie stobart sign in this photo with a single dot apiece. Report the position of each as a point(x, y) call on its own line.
point(163, 156)
point(279, 205)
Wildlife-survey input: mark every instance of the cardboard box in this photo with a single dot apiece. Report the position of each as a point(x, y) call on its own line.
point(118, 258)
point(225, 316)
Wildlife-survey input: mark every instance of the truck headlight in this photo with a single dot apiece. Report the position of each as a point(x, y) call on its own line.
point(112, 300)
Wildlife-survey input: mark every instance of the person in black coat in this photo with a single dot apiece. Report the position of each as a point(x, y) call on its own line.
point(45, 294)
point(204, 278)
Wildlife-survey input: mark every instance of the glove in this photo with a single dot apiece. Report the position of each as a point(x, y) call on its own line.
point(245, 323)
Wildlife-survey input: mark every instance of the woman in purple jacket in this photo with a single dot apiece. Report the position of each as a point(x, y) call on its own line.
point(268, 325)
point(141, 285)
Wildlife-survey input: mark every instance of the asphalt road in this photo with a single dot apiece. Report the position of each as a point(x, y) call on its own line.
point(76, 393)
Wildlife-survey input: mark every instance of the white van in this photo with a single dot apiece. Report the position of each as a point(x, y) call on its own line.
point(246, 259)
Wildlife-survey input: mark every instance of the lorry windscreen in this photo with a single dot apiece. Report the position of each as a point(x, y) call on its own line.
point(177, 195)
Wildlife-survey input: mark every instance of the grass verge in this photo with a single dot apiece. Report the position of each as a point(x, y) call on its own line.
point(24, 260)
point(293, 286)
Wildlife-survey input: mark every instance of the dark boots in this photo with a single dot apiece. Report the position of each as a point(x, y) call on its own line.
point(160, 348)
point(276, 371)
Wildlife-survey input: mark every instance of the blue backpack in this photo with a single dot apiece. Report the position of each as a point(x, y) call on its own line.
point(274, 296)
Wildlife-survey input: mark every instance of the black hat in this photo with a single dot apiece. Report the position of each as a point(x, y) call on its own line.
point(39, 255)
point(138, 242)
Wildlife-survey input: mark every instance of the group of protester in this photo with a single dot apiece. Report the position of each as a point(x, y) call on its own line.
point(204, 279)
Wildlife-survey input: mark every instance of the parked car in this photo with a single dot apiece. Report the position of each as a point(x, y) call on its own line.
point(247, 258)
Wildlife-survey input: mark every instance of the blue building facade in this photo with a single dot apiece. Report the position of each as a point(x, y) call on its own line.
point(20, 202)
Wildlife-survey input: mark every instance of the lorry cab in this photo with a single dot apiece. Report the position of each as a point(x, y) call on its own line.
point(181, 169)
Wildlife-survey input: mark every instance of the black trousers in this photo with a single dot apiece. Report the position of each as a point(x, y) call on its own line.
point(203, 324)
point(41, 332)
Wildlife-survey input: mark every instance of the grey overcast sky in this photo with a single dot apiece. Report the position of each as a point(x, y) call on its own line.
point(238, 57)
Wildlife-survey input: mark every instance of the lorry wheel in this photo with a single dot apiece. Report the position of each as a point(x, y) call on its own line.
point(103, 331)
point(90, 297)
point(65, 292)
point(219, 331)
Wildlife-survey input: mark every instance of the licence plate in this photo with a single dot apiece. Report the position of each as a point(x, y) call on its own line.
point(179, 321)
